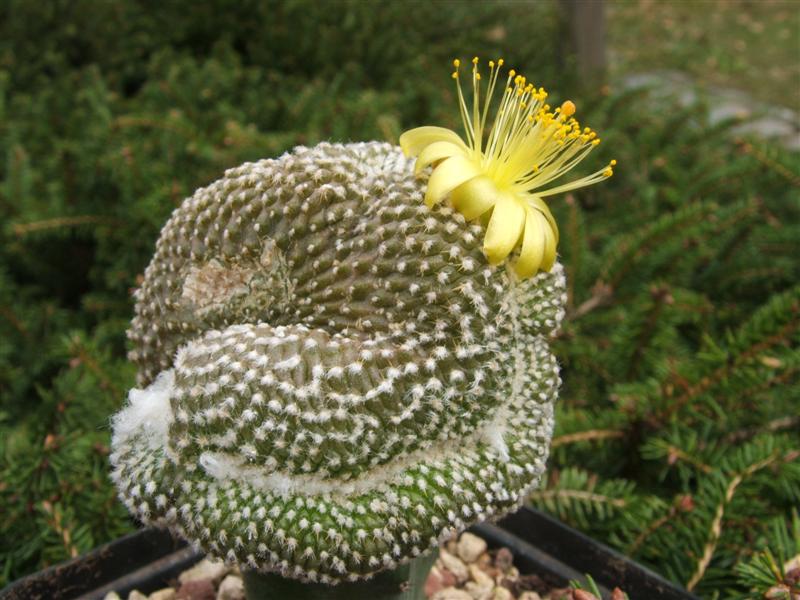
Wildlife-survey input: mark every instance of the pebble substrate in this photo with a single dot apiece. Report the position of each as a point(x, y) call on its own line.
point(465, 570)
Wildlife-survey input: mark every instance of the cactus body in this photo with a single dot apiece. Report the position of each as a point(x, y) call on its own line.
point(333, 377)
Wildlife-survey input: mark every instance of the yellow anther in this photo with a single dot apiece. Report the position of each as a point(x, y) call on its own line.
point(608, 172)
point(477, 76)
point(491, 64)
point(595, 142)
point(613, 163)
point(511, 73)
point(568, 108)
point(455, 74)
point(500, 62)
point(474, 60)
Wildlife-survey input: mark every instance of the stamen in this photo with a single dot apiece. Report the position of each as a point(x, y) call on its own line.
point(568, 108)
point(529, 144)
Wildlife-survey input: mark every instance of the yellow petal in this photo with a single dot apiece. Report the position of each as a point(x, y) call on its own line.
point(549, 248)
point(505, 227)
point(436, 151)
point(413, 141)
point(533, 244)
point(447, 175)
point(475, 197)
point(541, 205)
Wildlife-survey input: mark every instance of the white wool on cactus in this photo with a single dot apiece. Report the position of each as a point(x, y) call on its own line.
point(147, 413)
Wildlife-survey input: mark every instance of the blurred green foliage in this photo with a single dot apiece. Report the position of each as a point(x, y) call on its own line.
point(751, 46)
point(680, 351)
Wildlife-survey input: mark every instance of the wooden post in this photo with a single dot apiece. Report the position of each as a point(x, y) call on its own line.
point(586, 20)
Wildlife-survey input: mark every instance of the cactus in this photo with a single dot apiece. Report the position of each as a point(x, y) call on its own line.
point(332, 377)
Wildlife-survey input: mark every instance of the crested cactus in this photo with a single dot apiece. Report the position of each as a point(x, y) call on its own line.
point(333, 376)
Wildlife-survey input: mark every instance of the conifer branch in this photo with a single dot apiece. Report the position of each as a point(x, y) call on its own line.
point(9, 316)
point(716, 524)
point(693, 390)
point(585, 436)
point(773, 571)
point(674, 454)
point(622, 258)
point(781, 378)
point(64, 533)
point(85, 358)
point(650, 530)
point(22, 229)
point(555, 494)
point(776, 425)
point(601, 295)
point(681, 503)
point(767, 161)
point(123, 122)
point(661, 297)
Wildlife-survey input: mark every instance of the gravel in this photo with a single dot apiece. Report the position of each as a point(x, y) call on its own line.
point(465, 570)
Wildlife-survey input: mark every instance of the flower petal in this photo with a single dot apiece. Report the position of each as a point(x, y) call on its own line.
point(533, 244)
point(549, 249)
point(542, 207)
point(505, 227)
point(475, 197)
point(413, 141)
point(436, 151)
point(447, 175)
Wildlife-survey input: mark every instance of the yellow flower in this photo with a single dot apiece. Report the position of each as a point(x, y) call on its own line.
point(527, 147)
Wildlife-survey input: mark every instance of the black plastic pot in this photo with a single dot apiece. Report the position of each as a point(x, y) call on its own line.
point(558, 553)
point(148, 559)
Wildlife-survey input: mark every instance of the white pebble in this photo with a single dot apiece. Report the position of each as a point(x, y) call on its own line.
point(231, 588)
point(470, 547)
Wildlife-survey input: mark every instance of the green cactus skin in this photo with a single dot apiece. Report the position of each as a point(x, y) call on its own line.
point(338, 379)
point(406, 582)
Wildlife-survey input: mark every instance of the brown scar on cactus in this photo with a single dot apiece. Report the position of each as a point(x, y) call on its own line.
point(215, 286)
